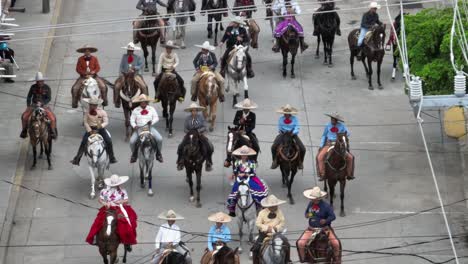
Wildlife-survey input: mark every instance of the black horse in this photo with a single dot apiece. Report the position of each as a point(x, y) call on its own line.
point(214, 9)
point(193, 162)
point(236, 139)
point(289, 43)
point(327, 26)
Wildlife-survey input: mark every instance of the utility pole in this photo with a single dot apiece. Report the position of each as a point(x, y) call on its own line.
point(45, 6)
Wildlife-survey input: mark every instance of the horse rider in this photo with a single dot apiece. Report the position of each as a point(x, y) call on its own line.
point(206, 61)
point(320, 215)
point(326, 7)
point(144, 115)
point(244, 7)
point(335, 126)
point(168, 237)
point(270, 220)
point(191, 7)
point(245, 120)
point(38, 93)
point(195, 121)
point(369, 19)
point(129, 64)
point(7, 60)
point(147, 6)
point(88, 66)
point(114, 197)
point(288, 123)
point(168, 62)
point(95, 121)
point(287, 9)
point(219, 234)
point(236, 35)
point(245, 171)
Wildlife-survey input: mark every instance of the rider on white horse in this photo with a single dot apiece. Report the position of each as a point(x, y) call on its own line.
point(95, 121)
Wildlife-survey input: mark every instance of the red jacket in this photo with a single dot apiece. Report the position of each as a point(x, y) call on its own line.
point(93, 65)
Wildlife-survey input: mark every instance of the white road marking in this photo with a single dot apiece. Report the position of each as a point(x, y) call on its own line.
point(379, 142)
point(357, 211)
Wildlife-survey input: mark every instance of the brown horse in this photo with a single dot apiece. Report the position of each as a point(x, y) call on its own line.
point(254, 32)
point(108, 241)
point(373, 50)
point(127, 87)
point(335, 168)
point(319, 250)
point(236, 138)
point(288, 156)
point(39, 133)
point(224, 255)
point(208, 95)
point(149, 36)
point(169, 91)
point(289, 43)
point(193, 163)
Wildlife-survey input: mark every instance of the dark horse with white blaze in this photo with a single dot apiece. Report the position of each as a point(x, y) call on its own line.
point(237, 138)
point(288, 156)
point(215, 9)
point(40, 134)
point(289, 43)
point(168, 91)
point(149, 36)
point(326, 29)
point(107, 239)
point(372, 50)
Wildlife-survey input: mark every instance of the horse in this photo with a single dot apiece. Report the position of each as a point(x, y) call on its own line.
point(98, 159)
point(277, 250)
point(193, 162)
point(224, 255)
point(289, 42)
point(394, 45)
point(237, 71)
point(288, 159)
point(335, 168)
point(254, 32)
point(181, 9)
point(214, 8)
point(149, 36)
point(208, 96)
point(169, 90)
point(237, 138)
point(320, 249)
point(87, 88)
point(146, 155)
point(172, 256)
point(107, 239)
point(270, 16)
point(246, 211)
point(373, 50)
point(39, 133)
point(327, 27)
point(129, 91)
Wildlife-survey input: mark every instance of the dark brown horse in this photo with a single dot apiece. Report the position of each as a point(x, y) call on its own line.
point(236, 138)
point(335, 168)
point(320, 249)
point(149, 36)
point(127, 88)
point(224, 255)
point(169, 91)
point(108, 241)
point(193, 162)
point(327, 27)
point(214, 9)
point(288, 156)
point(289, 43)
point(39, 134)
point(372, 50)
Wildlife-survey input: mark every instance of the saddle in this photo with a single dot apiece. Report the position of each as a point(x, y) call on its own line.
point(366, 38)
point(94, 138)
point(164, 255)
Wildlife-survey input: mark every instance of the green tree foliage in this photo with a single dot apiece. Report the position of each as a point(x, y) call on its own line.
point(428, 42)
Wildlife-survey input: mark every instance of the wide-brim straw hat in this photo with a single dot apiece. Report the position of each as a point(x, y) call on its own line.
point(246, 104)
point(93, 100)
point(142, 98)
point(170, 44)
point(244, 151)
point(194, 106)
point(39, 77)
point(115, 180)
point(170, 215)
point(336, 116)
point(374, 5)
point(220, 217)
point(238, 20)
point(206, 45)
point(131, 46)
point(87, 47)
point(314, 193)
point(271, 200)
point(287, 109)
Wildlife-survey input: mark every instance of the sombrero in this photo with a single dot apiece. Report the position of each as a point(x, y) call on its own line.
point(244, 151)
point(206, 45)
point(336, 116)
point(287, 109)
point(194, 106)
point(246, 104)
point(271, 201)
point(170, 44)
point(87, 47)
point(220, 217)
point(131, 46)
point(93, 100)
point(115, 180)
point(238, 20)
point(142, 98)
point(170, 215)
point(374, 5)
point(39, 77)
point(314, 193)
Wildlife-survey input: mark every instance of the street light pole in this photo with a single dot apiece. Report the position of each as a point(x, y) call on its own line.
point(45, 6)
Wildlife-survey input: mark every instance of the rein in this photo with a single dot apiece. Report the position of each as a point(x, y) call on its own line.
point(284, 156)
point(327, 161)
point(244, 209)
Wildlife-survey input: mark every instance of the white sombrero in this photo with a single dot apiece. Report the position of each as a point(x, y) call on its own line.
point(336, 116)
point(194, 106)
point(115, 180)
point(314, 193)
point(206, 45)
point(287, 109)
point(246, 104)
point(170, 215)
point(220, 217)
point(238, 20)
point(39, 77)
point(142, 98)
point(244, 151)
point(170, 44)
point(271, 200)
point(87, 47)
point(93, 100)
point(131, 46)
point(374, 5)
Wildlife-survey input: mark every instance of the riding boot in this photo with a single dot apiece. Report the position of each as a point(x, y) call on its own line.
point(209, 164)
point(304, 45)
point(274, 163)
point(134, 157)
point(53, 132)
point(276, 47)
point(359, 55)
point(180, 162)
point(338, 32)
point(159, 155)
point(128, 248)
point(250, 73)
point(314, 17)
point(110, 150)
point(222, 71)
point(24, 133)
point(77, 158)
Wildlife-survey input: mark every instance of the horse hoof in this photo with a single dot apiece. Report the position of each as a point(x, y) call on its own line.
point(50, 167)
point(353, 77)
point(150, 192)
point(284, 75)
point(191, 199)
point(142, 185)
point(284, 185)
point(342, 214)
point(216, 44)
point(33, 167)
point(154, 74)
point(239, 250)
point(291, 200)
point(371, 87)
point(92, 196)
point(317, 57)
point(40, 156)
point(117, 260)
point(211, 129)
point(146, 70)
point(293, 75)
point(380, 87)
point(330, 65)
point(170, 135)
point(198, 205)
point(183, 47)
point(393, 79)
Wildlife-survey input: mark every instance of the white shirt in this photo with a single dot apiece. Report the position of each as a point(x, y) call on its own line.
point(167, 234)
point(167, 60)
point(139, 119)
point(280, 7)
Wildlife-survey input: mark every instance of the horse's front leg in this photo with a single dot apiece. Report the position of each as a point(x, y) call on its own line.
point(165, 114)
point(330, 51)
point(113, 256)
point(41, 149)
point(342, 190)
point(325, 52)
point(145, 54)
point(293, 60)
point(240, 225)
point(290, 183)
point(171, 117)
point(142, 175)
point(209, 27)
point(153, 57)
point(369, 75)
point(103, 253)
point(34, 148)
point(93, 181)
point(285, 62)
point(246, 87)
point(182, 36)
point(379, 66)
point(332, 193)
point(188, 172)
point(317, 52)
point(47, 150)
point(150, 178)
point(198, 173)
point(213, 110)
point(351, 62)
point(216, 33)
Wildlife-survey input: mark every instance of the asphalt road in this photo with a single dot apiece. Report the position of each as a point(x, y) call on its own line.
point(393, 179)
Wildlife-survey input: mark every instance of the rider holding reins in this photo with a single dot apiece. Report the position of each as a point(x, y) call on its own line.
point(369, 19)
point(145, 6)
point(168, 62)
point(287, 9)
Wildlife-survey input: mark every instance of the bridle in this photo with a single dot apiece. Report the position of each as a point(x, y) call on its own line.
point(248, 196)
point(342, 147)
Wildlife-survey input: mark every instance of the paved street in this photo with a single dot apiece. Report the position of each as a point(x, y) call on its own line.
point(393, 179)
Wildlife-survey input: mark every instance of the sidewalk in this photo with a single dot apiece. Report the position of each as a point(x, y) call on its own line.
point(12, 104)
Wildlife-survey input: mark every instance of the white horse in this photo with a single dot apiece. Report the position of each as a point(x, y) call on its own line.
point(237, 71)
point(98, 159)
point(146, 156)
point(246, 211)
point(278, 250)
point(91, 89)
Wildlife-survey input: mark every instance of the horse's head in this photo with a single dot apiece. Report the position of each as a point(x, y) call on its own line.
point(211, 84)
point(169, 86)
point(111, 221)
point(279, 248)
point(151, 11)
point(193, 146)
point(96, 147)
point(244, 193)
point(341, 144)
point(38, 121)
point(321, 245)
point(291, 36)
point(91, 88)
point(240, 59)
point(378, 37)
point(226, 255)
point(175, 257)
